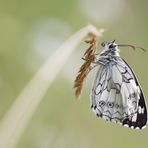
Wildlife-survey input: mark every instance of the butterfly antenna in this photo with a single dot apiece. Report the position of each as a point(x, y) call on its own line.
point(132, 46)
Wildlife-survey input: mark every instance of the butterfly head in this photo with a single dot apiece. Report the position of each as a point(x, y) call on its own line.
point(111, 45)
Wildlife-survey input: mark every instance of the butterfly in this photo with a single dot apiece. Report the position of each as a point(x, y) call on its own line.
point(116, 93)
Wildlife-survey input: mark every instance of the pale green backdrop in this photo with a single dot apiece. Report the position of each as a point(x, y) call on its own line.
point(30, 30)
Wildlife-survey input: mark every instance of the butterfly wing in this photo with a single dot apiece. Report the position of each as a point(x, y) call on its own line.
point(141, 114)
point(117, 95)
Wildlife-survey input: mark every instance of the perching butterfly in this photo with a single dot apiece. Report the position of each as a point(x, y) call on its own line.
point(116, 93)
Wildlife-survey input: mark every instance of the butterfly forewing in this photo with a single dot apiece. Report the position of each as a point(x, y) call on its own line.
point(141, 114)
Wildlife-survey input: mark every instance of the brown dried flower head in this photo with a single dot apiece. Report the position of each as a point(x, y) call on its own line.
point(89, 58)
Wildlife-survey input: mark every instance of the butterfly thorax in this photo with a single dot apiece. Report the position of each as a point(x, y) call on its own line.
point(108, 56)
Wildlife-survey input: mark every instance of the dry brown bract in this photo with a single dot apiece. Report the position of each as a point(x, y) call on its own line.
point(89, 58)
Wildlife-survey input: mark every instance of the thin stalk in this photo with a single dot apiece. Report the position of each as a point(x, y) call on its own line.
point(18, 116)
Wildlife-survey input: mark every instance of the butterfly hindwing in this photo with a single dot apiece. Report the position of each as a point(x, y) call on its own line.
point(106, 99)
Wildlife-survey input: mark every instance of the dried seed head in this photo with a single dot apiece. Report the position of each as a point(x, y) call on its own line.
point(89, 57)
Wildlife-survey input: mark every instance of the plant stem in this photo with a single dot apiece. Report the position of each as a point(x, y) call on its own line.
point(18, 116)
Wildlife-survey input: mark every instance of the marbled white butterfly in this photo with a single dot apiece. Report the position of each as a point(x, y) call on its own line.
point(116, 93)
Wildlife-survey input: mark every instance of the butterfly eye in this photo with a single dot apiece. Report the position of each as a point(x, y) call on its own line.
point(112, 46)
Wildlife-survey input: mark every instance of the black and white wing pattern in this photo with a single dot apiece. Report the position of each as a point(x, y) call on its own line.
point(117, 95)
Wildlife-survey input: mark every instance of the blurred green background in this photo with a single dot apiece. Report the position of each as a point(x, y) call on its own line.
point(30, 30)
